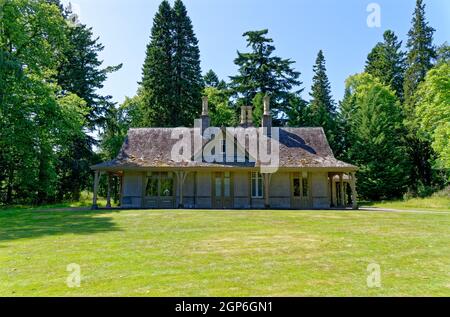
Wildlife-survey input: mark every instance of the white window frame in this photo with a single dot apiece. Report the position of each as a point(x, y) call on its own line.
point(256, 180)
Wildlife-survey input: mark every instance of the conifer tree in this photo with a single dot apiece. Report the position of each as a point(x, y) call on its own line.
point(262, 72)
point(172, 82)
point(386, 61)
point(374, 120)
point(188, 77)
point(421, 54)
point(322, 109)
point(158, 74)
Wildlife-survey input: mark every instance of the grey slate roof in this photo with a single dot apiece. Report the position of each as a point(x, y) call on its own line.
point(151, 148)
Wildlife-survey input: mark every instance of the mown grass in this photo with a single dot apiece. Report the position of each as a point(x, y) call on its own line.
point(440, 201)
point(223, 253)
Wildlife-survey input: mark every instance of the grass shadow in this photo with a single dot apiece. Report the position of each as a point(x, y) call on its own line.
point(34, 223)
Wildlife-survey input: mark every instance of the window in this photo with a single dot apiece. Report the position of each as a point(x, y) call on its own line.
point(218, 185)
point(152, 186)
point(166, 187)
point(257, 185)
point(305, 187)
point(227, 185)
point(159, 185)
point(297, 187)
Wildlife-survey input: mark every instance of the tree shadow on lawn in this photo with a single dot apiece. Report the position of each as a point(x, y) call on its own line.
point(26, 224)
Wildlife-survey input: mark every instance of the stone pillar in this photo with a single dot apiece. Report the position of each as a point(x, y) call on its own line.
point(96, 182)
point(354, 192)
point(108, 194)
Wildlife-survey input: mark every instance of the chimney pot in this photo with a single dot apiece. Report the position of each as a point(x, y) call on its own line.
point(267, 105)
point(205, 111)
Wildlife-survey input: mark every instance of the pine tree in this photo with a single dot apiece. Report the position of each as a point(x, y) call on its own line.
point(421, 54)
point(188, 76)
point(386, 61)
point(172, 82)
point(158, 74)
point(322, 109)
point(261, 72)
point(211, 79)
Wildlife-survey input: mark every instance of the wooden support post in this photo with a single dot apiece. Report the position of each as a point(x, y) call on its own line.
point(354, 192)
point(96, 182)
point(181, 178)
point(267, 178)
point(342, 194)
point(108, 193)
point(333, 191)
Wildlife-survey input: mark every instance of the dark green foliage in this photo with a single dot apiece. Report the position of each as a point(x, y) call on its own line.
point(373, 120)
point(298, 112)
point(212, 80)
point(81, 74)
point(172, 82)
point(421, 54)
point(188, 77)
point(261, 72)
point(322, 109)
point(49, 76)
point(386, 61)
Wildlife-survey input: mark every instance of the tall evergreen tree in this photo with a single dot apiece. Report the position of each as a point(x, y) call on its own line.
point(188, 75)
point(386, 61)
point(261, 72)
point(211, 79)
point(373, 122)
point(157, 73)
point(172, 82)
point(421, 54)
point(322, 109)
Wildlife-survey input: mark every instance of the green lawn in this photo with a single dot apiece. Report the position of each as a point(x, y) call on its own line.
point(223, 253)
point(430, 203)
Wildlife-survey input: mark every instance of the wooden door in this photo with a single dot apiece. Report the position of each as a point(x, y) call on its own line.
point(222, 194)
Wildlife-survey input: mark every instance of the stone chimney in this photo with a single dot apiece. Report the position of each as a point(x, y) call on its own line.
point(246, 116)
point(205, 119)
point(267, 116)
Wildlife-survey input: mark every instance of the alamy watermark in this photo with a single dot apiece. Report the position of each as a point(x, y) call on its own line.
point(74, 278)
point(374, 275)
point(257, 146)
point(374, 17)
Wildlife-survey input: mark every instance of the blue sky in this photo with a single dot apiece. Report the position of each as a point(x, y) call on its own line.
point(300, 28)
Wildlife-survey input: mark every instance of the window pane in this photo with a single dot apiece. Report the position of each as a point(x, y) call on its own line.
point(254, 188)
point(260, 188)
point(227, 187)
point(152, 187)
point(166, 187)
point(296, 187)
point(218, 186)
point(305, 187)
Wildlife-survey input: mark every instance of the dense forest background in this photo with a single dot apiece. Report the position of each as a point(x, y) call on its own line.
point(393, 122)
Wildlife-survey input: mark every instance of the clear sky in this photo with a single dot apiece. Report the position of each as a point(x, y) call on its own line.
point(300, 28)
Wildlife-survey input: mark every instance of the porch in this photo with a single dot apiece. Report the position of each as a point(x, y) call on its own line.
point(230, 189)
